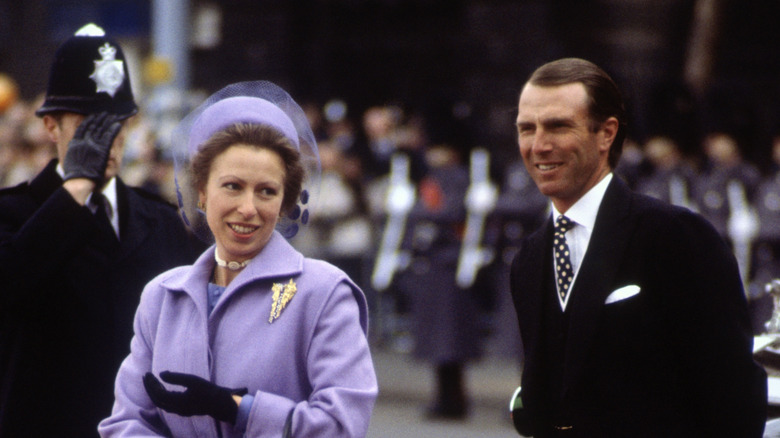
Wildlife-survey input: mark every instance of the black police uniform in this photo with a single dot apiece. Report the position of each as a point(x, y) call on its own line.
point(70, 288)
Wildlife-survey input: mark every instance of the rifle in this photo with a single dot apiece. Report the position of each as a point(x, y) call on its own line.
point(480, 200)
point(399, 201)
point(742, 227)
point(678, 193)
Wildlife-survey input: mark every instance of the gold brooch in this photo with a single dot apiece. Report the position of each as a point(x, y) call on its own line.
point(283, 293)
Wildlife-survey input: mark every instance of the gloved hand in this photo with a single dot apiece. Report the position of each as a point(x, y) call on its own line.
point(88, 151)
point(200, 398)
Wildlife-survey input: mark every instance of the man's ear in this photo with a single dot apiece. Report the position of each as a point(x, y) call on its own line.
point(610, 128)
point(52, 128)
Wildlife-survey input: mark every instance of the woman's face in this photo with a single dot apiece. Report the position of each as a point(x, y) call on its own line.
point(243, 200)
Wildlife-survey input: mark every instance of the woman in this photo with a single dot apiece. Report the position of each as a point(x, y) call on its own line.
point(253, 339)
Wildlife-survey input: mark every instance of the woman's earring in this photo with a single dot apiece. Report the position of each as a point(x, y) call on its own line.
point(201, 206)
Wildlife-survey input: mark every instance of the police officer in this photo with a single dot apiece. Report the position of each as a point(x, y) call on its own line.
point(76, 247)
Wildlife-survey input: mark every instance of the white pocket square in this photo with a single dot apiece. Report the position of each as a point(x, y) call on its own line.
point(622, 293)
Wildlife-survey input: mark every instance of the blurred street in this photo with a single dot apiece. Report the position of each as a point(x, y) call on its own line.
point(405, 387)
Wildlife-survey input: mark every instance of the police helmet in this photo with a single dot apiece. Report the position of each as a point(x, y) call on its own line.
point(89, 75)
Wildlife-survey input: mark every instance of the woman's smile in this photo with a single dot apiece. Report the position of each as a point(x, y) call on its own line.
point(243, 230)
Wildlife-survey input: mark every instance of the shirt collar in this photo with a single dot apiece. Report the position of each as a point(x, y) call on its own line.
point(584, 211)
point(109, 191)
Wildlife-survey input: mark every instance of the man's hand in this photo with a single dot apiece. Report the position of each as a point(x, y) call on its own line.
point(89, 149)
point(201, 397)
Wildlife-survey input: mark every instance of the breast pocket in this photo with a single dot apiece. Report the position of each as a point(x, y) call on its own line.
point(623, 324)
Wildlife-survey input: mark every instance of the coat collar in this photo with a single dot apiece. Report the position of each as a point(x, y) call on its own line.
point(46, 182)
point(136, 218)
point(277, 259)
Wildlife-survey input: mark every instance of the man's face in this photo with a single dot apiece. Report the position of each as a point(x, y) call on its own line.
point(62, 133)
point(561, 151)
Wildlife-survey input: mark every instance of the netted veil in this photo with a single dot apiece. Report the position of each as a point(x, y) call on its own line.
point(249, 102)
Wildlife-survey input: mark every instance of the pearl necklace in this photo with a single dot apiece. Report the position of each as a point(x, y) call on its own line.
point(232, 265)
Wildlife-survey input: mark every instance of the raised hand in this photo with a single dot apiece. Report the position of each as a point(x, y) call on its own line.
point(89, 149)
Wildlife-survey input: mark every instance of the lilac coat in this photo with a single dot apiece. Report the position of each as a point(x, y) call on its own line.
point(314, 358)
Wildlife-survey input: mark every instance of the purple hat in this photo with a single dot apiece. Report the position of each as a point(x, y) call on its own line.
point(241, 109)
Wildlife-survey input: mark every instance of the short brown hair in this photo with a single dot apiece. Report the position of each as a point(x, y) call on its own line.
point(258, 136)
point(604, 98)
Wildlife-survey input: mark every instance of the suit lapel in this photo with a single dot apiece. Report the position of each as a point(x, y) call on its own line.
point(596, 278)
point(135, 220)
point(45, 183)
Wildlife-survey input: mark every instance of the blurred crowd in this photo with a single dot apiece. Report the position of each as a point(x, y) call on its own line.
point(740, 198)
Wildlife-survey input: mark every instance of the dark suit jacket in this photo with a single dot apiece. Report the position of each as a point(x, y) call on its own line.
point(675, 360)
point(68, 293)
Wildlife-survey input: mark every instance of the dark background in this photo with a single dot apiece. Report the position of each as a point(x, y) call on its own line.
point(474, 52)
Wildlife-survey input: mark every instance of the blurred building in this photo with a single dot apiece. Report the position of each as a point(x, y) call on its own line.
point(373, 52)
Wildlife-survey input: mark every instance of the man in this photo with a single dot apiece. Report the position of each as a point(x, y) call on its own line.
point(72, 269)
point(632, 316)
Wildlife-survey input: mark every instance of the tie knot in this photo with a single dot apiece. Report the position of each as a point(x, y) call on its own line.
point(563, 224)
point(99, 201)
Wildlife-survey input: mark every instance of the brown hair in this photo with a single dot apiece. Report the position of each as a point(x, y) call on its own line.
point(604, 99)
point(258, 136)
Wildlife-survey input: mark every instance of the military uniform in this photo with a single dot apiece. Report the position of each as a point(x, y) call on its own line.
point(766, 249)
point(445, 318)
point(767, 204)
point(672, 185)
point(520, 209)
point(710, 192)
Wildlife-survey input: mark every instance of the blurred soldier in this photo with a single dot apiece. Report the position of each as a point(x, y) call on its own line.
point(670, 177)
point(724, 164)
point(520, 209)
point(444, 316)
point(766, 252)
point(768, 209)
point(76, 247)
point(724, 195)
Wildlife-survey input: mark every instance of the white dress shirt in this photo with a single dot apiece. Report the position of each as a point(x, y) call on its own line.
point(109, 191)
point(583, 215)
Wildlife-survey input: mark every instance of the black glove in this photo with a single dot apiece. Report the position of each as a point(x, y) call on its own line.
point(88, 151)
point(200, 398)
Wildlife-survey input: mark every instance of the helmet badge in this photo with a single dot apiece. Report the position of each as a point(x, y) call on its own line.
point(109, 72)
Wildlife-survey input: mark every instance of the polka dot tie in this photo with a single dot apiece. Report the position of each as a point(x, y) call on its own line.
point(564, 272)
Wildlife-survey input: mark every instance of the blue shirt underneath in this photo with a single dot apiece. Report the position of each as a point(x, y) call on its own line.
point(214, 291)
